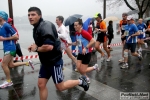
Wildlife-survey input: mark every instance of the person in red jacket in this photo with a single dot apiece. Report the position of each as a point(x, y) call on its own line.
point(18, 49)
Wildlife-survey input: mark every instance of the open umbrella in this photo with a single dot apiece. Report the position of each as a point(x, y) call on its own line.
point(111, 18)
point(71, 19)
point(148, 18)
point(132, 12)
point(87, 23)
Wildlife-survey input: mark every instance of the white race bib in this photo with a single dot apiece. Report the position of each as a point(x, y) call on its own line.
point(140, 31)
point(126, 33)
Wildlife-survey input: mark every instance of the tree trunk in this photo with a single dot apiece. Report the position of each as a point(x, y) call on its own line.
point(140, 15)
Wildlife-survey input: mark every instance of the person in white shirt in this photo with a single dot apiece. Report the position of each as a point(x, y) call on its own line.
point(63, 34)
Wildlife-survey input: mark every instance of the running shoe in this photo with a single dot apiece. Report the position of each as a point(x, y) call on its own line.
point(84, 84)
point(108, 59)
point(124, 66)
point(6, 84)
point(98, 68)
point(121, 60)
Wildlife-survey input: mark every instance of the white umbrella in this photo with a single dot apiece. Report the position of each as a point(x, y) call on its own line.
point(111, 18)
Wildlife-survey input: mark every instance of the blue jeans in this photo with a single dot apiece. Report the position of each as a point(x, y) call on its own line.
point(73, 39)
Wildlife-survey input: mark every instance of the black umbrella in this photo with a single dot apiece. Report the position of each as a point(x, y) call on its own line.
point(71, 19)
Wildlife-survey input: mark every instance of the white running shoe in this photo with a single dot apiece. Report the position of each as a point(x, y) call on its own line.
point(124, 66)
point(140, 50)
point(146, 46)
point(108, 59)
point(6, 84)
point(31, 64)
point(98, 68)
point(121, 60)
point(102, 59)
point(88, 81)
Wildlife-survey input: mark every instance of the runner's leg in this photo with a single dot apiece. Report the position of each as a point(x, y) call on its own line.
point(68, 51)
point(97, 47)
point(106, 49)
point(43, 91)
point(5, 62)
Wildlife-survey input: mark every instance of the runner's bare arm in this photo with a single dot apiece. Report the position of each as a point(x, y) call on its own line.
point(73, 43)
point(136, 34)
point(119, 29)
point(45, 48)
point(92, 41)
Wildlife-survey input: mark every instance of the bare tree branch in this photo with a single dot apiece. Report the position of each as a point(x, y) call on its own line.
point(143, 3)
point(138, 4)
point(146, 7)
point(129, 5)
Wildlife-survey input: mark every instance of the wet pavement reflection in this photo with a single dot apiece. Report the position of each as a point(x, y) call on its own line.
point(110, 80)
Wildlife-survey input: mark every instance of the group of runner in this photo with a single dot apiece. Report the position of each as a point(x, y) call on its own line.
point(131, 35)
point(49, 43)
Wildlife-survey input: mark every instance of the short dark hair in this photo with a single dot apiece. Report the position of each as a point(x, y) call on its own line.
point(100, 16)
point(38, 11)
point(80, 21)
point(110, 22)
point(61, 18)
point(124, 14)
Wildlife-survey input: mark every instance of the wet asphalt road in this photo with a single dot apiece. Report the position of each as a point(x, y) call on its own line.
point(105, 85)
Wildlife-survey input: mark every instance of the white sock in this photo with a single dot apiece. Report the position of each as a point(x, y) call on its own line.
point(145, 45)
point(140, 49)
point(80, 82)
point(87, 78)
point(139, 55)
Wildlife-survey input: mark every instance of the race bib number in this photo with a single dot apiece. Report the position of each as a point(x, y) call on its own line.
point(140, 31)
point(126, 33)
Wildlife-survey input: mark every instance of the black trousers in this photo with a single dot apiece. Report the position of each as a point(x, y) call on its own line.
point(109, 40)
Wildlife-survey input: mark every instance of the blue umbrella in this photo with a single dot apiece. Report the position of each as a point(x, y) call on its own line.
point(87, 23)
point(71, 19)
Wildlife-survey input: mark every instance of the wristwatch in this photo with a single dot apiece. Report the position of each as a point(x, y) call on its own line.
point(36, 49)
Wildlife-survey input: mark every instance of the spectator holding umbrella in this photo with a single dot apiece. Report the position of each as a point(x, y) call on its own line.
point(73, 38)
point(18, 49)
point(110, 34)
point(70, 21)
point(87, 25)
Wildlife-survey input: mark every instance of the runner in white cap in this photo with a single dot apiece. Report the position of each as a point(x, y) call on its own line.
point(131, 33)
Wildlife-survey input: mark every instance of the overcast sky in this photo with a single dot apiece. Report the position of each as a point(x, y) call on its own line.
point(60, 7)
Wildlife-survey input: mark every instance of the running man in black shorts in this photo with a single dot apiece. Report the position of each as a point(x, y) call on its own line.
point(101, 30)
point(122, 25)
point(47, 45)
